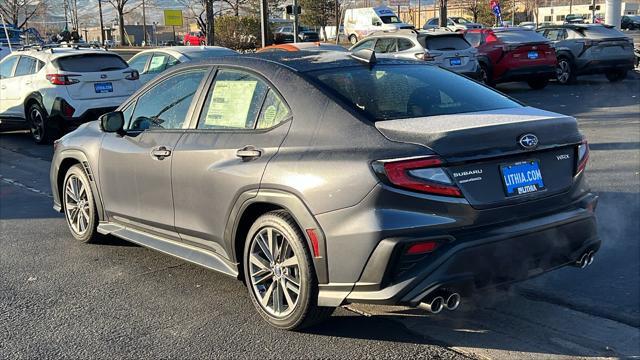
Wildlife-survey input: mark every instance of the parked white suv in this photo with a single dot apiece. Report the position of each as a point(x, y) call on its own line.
point(52, 91)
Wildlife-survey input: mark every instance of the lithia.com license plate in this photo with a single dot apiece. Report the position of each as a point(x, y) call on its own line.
point(521, 178)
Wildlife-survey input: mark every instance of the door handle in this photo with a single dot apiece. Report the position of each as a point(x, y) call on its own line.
point(160, 152)
point(249, 153)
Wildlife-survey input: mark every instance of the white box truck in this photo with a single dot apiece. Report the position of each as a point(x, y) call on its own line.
point(361, 22)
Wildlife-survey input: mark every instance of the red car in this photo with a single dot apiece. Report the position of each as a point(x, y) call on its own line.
point(195, 38)
point(513, 54)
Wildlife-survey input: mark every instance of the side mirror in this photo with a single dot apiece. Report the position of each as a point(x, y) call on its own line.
point(113, 122)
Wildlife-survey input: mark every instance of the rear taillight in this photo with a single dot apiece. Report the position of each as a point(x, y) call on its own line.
point(583, 156)
point(132, 75)
point(60, 79)
point(423, 174)
point(424, 56)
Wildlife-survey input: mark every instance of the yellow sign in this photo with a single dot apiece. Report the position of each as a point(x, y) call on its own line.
point(173, 17)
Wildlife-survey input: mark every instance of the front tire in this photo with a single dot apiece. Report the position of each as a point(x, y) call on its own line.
point(538, 84)
point(279, 273)
point(79, 205)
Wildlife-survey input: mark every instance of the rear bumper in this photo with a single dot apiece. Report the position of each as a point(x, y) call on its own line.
point(472, 260)
point(85, 111)
point(602, 66)
point(528, 73)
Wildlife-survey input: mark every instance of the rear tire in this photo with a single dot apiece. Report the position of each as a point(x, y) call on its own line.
point(353, 39)
point(79, 205)
point(616, 75)
point(40, 125)
point(538, 84)
point(564, 71)
point(485, 75)
point(279, 273)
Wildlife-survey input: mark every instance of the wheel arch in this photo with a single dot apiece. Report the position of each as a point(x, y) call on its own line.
point(68, 159)
point(34, 97)
point(252, 204)
point(566, 53)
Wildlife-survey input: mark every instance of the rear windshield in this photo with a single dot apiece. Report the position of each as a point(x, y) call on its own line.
point(520, 36)
point(91, 63)
point(407, 91)
point(601, 32)
point(444, 43)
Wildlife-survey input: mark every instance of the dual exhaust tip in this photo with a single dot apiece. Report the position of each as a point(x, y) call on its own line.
point(585, 260)
point(438, 303)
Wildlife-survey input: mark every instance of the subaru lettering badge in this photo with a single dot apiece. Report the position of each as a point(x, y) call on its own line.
point(103, 76)
point(528, 141)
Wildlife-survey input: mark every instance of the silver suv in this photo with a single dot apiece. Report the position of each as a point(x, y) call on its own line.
point(584, 49)
point(442, 48)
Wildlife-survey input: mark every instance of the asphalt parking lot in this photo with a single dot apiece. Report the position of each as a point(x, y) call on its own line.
point(59, 298)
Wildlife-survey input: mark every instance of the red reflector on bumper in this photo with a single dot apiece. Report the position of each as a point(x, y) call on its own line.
point(422, 248)
point(314, 242)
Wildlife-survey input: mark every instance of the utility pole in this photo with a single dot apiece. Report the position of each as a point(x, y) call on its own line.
point(102, 39)
point(443, 13)
point(210, 20)
point(295, 21)
point(418, 23)
point(264, 20)
point(144, 25)
point(570, 6)
point(337, 21)
point(593, 11)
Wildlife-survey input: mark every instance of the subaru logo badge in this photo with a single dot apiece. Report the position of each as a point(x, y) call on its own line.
point(103, 76)
point(528, 141)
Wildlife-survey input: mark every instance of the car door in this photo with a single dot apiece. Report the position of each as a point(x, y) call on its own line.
point(241, 126)
point(135, 169)
point(9, 95)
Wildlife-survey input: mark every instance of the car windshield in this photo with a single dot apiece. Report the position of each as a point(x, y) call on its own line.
point(520, 37)
point(390, 19)
point(389, 92)
point(91, 63)
point(461, 21)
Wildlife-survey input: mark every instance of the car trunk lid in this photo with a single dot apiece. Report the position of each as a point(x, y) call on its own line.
point(485, 157)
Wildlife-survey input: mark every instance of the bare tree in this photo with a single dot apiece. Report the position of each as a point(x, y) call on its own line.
point(18, 12)
point(122, 9)
point(318, 13)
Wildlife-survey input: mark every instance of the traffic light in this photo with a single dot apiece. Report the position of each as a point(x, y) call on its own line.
point(290, 10)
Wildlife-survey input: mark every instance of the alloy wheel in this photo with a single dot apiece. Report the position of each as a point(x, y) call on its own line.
point(36, 124)
point(563, 71)
point(274, 272)
point(77, 205)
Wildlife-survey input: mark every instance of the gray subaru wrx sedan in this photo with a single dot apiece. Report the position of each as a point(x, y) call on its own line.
point(327, 178)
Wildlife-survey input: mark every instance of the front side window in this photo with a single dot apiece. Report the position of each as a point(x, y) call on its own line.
point(390, 19)
point(26, 66)
point(433, 21)
point(139, 62)
point(6, 67)
point(407, 91)
point(233, 102)
point(166, 105)
point(367, 44)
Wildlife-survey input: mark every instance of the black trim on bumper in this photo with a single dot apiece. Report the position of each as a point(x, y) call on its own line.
point(67, 123)
point(599, 67)
point(528, 73)
point(482, 258)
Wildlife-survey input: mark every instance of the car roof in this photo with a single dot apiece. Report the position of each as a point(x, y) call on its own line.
point(304, 46)
point(185, 50)
point(300, 61)
point(50, 54)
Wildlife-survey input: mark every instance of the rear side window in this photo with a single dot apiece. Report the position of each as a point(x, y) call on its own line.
point(233, 102)
point(385, 45)
point(474, 38)
point(520, 36)
point(274, 111)
point(404, 44)
point(91, 63)
point(445, 43)
point(26, 66)
point(407, 91)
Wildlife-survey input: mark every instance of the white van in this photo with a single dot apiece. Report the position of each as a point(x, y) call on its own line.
point(359, 23)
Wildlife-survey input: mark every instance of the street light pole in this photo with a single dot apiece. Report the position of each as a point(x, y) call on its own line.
point(264, 20)
point(144, 25)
